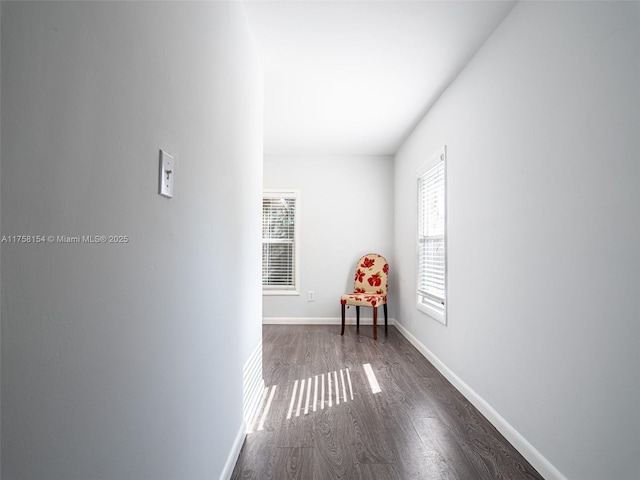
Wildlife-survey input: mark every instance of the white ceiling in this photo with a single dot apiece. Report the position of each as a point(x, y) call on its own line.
point(355, 77)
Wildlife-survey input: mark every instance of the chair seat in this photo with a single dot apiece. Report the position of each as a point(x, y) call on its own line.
point(363, 299)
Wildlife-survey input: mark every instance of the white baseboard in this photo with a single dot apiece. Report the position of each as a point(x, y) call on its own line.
point(323, 321)
point(528, 451)
point(235, 453)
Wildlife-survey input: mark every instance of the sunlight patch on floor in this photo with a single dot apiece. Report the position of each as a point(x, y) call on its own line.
point(311, 394)
point(373, 381)
point(313, 389)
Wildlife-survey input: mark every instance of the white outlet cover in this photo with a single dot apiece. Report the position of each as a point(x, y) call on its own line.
point(167, 173)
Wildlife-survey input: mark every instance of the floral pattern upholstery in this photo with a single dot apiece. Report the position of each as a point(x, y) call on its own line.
point(370, 282)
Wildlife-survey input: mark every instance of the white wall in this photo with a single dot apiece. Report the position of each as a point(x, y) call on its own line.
point(0, 256)
point(125, 361)
point(346, 206)
point(543, 173)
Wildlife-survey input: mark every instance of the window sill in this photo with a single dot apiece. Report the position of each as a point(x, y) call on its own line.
point(438, 315)
point(279, 292)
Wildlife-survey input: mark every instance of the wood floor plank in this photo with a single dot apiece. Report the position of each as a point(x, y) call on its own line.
point(334, 456)
point(294, 463)
point(418, 426)
point(297, 430)
point(378, 471)
point(256, 461)
point(408, 391)
point(433, 432)
point(415, 457)
point(368, 432)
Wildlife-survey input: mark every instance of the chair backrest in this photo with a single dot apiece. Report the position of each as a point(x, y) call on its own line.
point(372, 273)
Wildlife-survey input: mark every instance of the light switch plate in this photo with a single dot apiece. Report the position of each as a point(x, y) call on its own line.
point(167, 172)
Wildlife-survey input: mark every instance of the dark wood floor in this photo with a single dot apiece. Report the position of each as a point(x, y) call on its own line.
point(417, 427)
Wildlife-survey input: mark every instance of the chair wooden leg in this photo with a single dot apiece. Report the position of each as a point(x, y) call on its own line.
point(385, 318)
point(357, 318)
point(375, 323)
point(343, 309)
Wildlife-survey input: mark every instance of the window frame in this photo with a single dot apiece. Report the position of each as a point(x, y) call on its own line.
point(286, 193)
point(422, 302)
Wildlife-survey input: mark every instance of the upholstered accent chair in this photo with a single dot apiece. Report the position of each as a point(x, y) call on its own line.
point(369, 290)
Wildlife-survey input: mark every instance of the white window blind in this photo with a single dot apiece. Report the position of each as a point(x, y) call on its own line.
point(279, 242)
point(431, 284)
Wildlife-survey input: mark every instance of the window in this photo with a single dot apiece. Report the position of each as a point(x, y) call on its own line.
point(280, 211)
point(432, 238)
